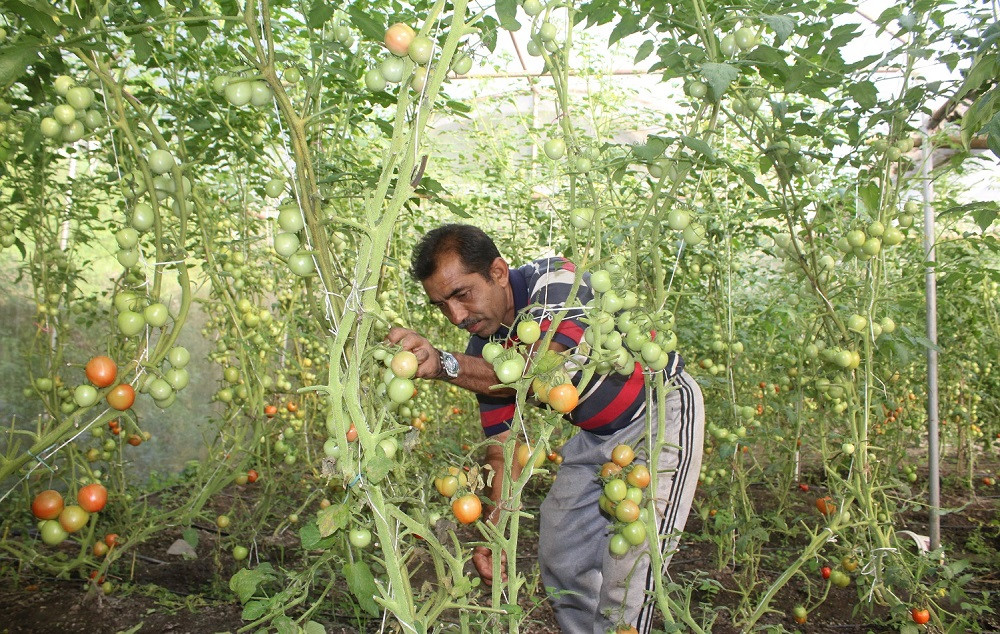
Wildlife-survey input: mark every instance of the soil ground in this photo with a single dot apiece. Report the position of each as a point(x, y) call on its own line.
point(169, 594)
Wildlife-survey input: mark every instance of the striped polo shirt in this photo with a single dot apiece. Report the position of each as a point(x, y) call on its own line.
point(610, 401)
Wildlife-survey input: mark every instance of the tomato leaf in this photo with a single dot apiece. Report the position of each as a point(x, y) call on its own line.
point(312, 627)
point(992, 131)
point(370, 28)
point(864, 93)
point(782, 25)
point(244, 583)
point(488, 32)
point(284, 625)
point(311, 539)
point(645, 50)
point(14, 60)
point(332, 519)
point(719, 76)
point(319, 13)
point(253, 610)
point(749, 178)
point(869, 196)
point(190, 535)
point(506, 12)
point(628, 25)
point(362, 585)
point(141, 47)
point(378, 467)
point(699, 146)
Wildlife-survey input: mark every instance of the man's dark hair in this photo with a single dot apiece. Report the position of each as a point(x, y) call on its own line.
point(476, 250)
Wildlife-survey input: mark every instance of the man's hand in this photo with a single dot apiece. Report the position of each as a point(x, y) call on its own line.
point(428, 358)
point(482, 557)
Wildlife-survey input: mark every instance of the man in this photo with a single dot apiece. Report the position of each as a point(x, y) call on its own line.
point(464, 275)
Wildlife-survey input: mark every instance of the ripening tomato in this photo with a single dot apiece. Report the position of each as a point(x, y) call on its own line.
point(849, 563)
point(524, 455)
point(920, 615)
point(292, 406)
point(563, 398)
point(100, 549)
point(639, 476)
point(111, 539)
point(467, 508)
point(121, 397)
point(398, 38)
point(101, 371)
point(222, 521)
point(622, 455)
point(446, 485)
point(404, 364)
point(92, 497)
point(47, 505)
point(800, 614)
point(609, 468)
point(352, 433)
point(627, 511)
point(270, 410)
point(73, 518)
point(825, 505)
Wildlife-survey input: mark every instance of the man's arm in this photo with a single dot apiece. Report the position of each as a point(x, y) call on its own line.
point(474, 373)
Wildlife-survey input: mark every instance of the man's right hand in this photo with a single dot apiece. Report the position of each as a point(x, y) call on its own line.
point(482, 557)
point(428, 358)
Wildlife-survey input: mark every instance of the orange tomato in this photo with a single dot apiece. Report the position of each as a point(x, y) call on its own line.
point(563, 398)
point(467, 508)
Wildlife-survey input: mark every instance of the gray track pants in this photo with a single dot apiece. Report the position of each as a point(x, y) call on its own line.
point(591, 590)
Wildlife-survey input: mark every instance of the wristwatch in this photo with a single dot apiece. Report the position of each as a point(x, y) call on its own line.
point(449, 365)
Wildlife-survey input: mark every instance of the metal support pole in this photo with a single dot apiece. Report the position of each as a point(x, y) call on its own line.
point(930, 281)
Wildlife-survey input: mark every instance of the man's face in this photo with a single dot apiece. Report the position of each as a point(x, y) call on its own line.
point(469, 300)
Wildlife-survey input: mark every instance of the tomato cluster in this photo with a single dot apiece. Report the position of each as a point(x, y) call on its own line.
point(624, 499)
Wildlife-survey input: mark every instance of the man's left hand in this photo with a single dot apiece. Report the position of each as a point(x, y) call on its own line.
point(428, 358)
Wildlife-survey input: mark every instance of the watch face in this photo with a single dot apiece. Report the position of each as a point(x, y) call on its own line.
point(450, 364)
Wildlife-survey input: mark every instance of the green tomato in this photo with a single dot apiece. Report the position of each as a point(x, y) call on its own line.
point(532, 7)
point(634, 533)
point(697, 89)
point(389, 447)
point(142, 217)
point(462, 63)
point(178, 378)
point(581, 217)
point(161, 161)
point(728, 45)
point(64, 113)
point(53, 533)
point(528, 331)
point(374, 81)
point(130, 323)
point(127, 238)
point(240, 553)
point(50, 128)
point(600, 281)
point(547, 32)
point(275, 187)
point(85, 395)
point(62, 85)
point(301, 264)
point(178, 356)
point(260, 94)
point(80, 97)
point(156, 314)
point(360, 537)
point(73, 132)
point(292, 75)
point(618, 545)
point(238, 93)
point(510, 370)
point(392, 69)
point(554, 148)
point(400, 390)
point(694, 233)
point(616, 490)
point(678, 219)
point(420, 50)
point(491, 350)
point(159, 389)
point(745, 38)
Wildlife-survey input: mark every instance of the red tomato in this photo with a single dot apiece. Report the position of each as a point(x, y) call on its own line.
point(563, 398)
point(825, 571)
point(252, 475)
point(111, 540)
point(920, 615)
point(270, 410)
point(467, 508)
point(292, 406)
point(101, 371)
point(352, 433)
point(135, 440)
point(803, 486)
point(47, 505)
point(121, 397)
point(92, 497)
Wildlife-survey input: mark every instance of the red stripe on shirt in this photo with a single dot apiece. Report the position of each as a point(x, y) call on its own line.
point(569, 266)
point(566, 327)
point(496, 416)
point(621, 402)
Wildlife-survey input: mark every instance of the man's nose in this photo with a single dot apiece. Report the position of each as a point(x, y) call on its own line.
point(456, 313)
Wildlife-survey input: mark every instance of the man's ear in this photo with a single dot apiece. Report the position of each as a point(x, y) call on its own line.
point(499, 271)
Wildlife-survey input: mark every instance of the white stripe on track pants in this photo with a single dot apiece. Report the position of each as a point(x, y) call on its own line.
point(592, 591)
